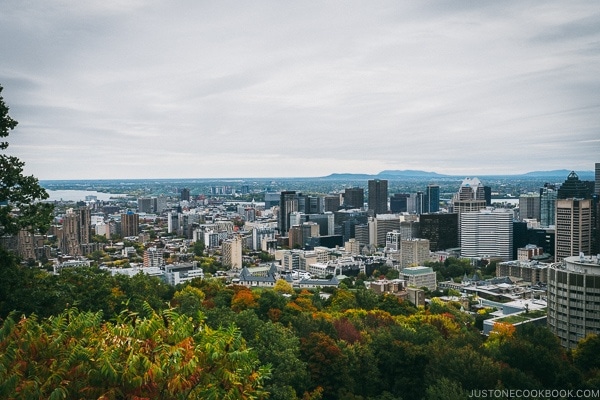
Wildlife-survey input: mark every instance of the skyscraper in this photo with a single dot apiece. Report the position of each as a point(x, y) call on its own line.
point(288, 203)
point(130, 224)
point(575, 188)
point(441, 229)
point(378, 194)
point(548, 205)
point(574, 216)
point(432, 199)
point(471, 197)
point(597, 182)
point(487, 233)
point(573, 227)
point(76, 231)
point(354, 197)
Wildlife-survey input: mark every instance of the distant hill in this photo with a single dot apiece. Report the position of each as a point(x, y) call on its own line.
point(561, 174)
point(411, 173)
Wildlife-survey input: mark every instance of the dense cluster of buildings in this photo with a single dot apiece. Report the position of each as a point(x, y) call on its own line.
point(549, 241)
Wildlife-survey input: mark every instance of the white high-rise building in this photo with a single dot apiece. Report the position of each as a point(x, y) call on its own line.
point(469, 198)
point(232, 253)
point(414, 252)
point(487, 233)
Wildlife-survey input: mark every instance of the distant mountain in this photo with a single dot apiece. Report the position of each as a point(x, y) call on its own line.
point(561, 174)
point(410, 173)
point(347, 176)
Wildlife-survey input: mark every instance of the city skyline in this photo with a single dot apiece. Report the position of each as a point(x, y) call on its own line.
point(106, 90)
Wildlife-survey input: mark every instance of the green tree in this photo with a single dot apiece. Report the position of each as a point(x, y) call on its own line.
point(198, 248)
point(189, 300)
point(20, 195)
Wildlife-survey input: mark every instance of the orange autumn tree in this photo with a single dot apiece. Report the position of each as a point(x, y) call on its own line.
point(164, 355)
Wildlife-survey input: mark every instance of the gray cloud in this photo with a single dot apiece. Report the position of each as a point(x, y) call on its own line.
point(229, 89)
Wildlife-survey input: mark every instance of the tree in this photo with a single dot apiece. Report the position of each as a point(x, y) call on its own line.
point(163, 356)
point(282, 286)
point(20, 195)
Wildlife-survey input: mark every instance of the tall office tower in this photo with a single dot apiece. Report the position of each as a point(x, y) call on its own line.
point(440, 229)
point(153, 257)
point(414, 252)
point(432, 199)
point(597, 182)
point(232, 253)
point(85, 224)
point(529, 206)
point(331, 203)
point(573, 295)
point(487, 233)
point(185, 194)
point(145, 205)
point(130, 224)
point(399, 202)
point(76, 231)
point(420, 203)
point(573, 227)
point(471, 197)
point(573, 188)
point(288, 203)
point(384, 224)
point(575, 216)
point(354, 198)
point(378, 196)
point(547, 205)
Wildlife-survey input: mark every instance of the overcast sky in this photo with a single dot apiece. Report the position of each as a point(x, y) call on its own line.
point(198, 89)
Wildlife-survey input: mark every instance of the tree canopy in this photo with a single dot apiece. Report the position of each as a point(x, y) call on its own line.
point(20, 195)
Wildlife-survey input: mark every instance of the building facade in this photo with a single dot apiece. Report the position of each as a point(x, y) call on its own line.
point(574, 299)
point(130, 224)
point(573, 227)
point(378, 196)
point(487, 233)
